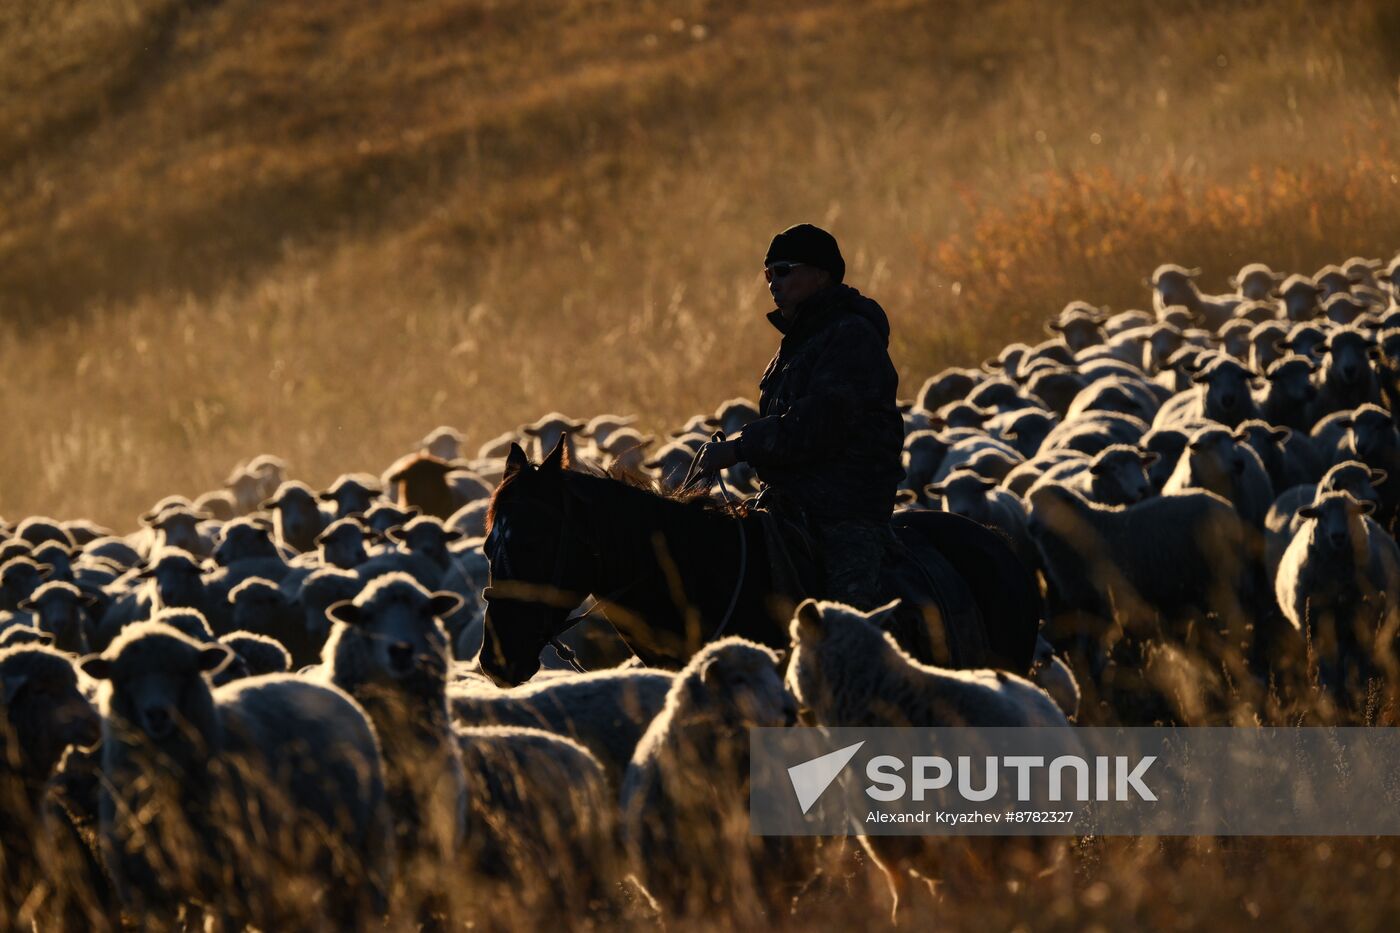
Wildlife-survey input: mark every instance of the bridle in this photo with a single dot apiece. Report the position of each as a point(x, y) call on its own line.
point(551, 592)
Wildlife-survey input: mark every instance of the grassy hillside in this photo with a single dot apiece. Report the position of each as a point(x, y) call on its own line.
point(320, 229)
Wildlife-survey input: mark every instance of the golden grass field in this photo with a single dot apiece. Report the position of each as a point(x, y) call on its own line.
point(321, 228)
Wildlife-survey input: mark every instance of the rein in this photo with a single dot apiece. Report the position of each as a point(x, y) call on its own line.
point(692, 480)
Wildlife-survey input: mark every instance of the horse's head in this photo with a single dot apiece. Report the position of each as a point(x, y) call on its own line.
point(540, 561)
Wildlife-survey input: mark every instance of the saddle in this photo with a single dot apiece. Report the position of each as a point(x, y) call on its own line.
point(965, 599)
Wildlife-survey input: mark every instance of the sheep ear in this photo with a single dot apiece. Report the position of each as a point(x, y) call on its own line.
point(25, 604)
point(905, 497)
point(445, 604)
point(1308, 511)
point(344, 612)
point(516, 460)
point(1053, 327)
point(1282, 435)
point(1149, 457)
point(148, 573)
point(992, 364)
point(1096, 469)
point(933, 489)
point(709, 673)
point(1378, 476)
point(1364, 507)
point(452, 534)
point(213, 657)
point(394, 533)
point(1198, 376)
point(809, 615)
point(96, 667)
point(1346, 424)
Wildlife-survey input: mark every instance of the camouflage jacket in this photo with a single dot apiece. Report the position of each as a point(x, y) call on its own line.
point(829, 436)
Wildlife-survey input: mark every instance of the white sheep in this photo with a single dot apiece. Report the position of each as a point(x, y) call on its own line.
point(247, 798)
point(1338, 584)
point(684, 797)
point(847, 671)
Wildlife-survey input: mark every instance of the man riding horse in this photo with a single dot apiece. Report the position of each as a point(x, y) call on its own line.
point(827, 443)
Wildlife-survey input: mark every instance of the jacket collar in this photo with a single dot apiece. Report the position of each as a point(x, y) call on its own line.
point(810, 313)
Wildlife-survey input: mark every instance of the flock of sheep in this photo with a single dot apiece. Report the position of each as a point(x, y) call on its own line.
point(261, 708)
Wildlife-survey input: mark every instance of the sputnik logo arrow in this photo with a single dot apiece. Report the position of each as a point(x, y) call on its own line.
point(811, 778)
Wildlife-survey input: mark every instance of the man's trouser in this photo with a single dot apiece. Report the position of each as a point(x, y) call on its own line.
point(852, 552)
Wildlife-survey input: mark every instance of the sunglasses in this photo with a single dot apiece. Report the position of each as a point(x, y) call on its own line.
point(779, 270)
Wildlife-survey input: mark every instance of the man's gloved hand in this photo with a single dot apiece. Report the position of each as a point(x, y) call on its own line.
point(717, 455)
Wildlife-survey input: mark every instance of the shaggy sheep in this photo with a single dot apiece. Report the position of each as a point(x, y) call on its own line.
point(1056, 387)
point(42, 712)
point(684, 796)
point(1288, 456)
point(1306, 339)
point(732, 415)
point(1344, 309)
point(261, 607)
point(177, 526)
point(1372, 438)
point(1354, 478)
point(1173, 285)
point(60, 610)
point(1331, 280)
point(1256, 281)
point(1126, 396)
point(1222, 394)
point(1094, 432)
point(259, 654)
point(1216, 461)
point(1115, 475)
point(1337, 584)
point(847, 671)
point(385, 515)
point(1255, 313)
point(626, 450)
point(1025, 430)
point(1020, 480)
point(950, 385)
point(218, 504)
point(342, 544)
point(442, 442)
point(966, 493)
point(1288, 399)
point(550, 429)
point(1164, 559)
point(246, 798)
point(470, 519)
point(670, 463)
point(604, 711)
point(1300, 298)
point(961, 454)
point(37, 530)
point(296, 516)
point(1347, 381)
point(389, 650)
point(317, 593)
point(20, 578)
point(352, 493)
point(599, 429)
point(419, 480)
point(1264, 348)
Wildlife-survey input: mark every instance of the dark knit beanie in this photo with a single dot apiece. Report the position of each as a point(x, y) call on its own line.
point(809, 244)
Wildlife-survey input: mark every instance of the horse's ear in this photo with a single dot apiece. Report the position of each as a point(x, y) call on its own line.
point(554, 462)
point(515, 460)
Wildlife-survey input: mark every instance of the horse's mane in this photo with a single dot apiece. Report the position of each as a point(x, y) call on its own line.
point(698, 498)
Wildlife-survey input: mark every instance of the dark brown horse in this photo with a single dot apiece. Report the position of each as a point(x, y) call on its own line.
point(671, 573)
